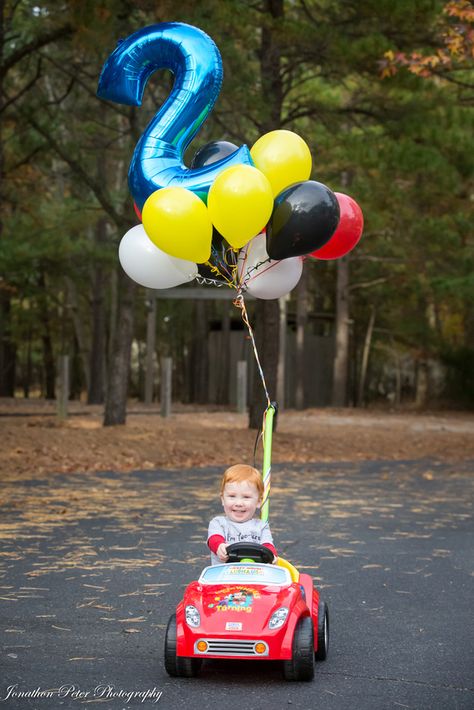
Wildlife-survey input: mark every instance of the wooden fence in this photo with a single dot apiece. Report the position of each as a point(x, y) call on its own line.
point(225, 350)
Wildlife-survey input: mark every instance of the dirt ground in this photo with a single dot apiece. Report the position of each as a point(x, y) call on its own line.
point(34, 440)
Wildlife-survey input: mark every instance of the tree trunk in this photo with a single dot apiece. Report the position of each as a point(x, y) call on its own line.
point(117, 387)
point(49, 366)
point(80, 341)
point(421, 396)
point(398, 373)
point(28, 368)
point(14, 48)
point(301, 322)
point(76, 371)
point(96, 389)
point(468, 324)
point(270, 63)
point(150, 347)
point(199, 380)
point(365, 357)
point(341, 360)
point(223, 371)
point(97, 366)
point(7, 348)
point(281, 370)
point(267, 317)
point(267, 320)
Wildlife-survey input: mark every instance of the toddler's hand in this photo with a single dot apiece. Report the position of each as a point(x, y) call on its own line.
point(222, 552)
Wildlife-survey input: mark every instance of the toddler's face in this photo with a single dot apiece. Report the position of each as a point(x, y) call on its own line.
point(240, 501)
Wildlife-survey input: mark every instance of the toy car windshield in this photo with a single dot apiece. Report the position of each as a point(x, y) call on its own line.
point(238, 573)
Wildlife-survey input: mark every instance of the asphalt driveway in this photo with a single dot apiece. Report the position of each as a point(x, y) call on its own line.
point(92, 566)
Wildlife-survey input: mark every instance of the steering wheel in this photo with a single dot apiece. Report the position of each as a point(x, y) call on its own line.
point(249, 551)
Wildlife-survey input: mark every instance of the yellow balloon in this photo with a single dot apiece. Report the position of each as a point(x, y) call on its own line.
point(283, 157)
point(240, 203)
point(178, 222)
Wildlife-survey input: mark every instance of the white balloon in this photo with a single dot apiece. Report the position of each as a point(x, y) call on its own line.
point(148, 265)
point(264, 277)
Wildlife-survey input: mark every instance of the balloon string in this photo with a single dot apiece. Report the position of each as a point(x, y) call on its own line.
point(266, 466)
point(241, 280)
point(222, 266)
point(240, 303)
point(246, 273)
point(215, 270)
point(206, 281)
point(258, 268)
point(229, 258)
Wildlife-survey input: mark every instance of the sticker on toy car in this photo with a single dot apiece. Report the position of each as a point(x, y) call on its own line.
point(231, 599)
point(233, 626)
point(251, 571)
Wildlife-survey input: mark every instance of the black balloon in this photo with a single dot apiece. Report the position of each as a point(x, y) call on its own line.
point(211, 152)
point(304, 218)
point(219, 245)
point(207, 273)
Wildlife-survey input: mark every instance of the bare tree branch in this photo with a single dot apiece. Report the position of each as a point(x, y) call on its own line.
point(27, 158)
point(96, 188)
point(34, 46)
point(13, 99)
point(74, 74)
point(369, 284)
point(378, 259)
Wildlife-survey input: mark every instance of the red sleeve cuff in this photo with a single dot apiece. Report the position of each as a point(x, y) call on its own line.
point(214, 541)
point(270, 547)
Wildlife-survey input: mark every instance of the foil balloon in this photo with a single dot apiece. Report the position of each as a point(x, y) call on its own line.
point(148, 265)
point(261, 276)
point(137, 211)
point(196, 63)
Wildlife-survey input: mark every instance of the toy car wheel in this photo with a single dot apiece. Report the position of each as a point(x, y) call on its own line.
point(301, 665)
point(178, 665)
point(323, 632)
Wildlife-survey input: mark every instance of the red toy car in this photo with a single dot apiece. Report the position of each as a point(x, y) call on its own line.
point(248, 608)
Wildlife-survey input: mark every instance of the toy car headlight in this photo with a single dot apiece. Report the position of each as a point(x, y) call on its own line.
point(278, 618)
point(193, 617)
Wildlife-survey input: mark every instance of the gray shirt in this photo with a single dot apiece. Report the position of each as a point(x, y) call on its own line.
point(254, 530)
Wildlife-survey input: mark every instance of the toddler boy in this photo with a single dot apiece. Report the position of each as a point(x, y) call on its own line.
point(241, 495)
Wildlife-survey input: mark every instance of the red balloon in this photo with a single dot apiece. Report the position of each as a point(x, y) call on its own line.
point(348, 232)
point(137, 211)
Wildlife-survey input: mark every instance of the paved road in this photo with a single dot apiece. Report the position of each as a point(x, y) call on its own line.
point(92, 566)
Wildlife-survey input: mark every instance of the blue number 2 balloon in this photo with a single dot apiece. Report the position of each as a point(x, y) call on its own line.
point(196, 63)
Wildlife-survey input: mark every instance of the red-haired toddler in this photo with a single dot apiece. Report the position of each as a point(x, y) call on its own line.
point(241, 495)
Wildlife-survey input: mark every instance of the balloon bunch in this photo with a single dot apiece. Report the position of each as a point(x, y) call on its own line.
point(245, 217)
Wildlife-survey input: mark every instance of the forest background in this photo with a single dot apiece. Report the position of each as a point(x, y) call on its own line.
point(381, 91)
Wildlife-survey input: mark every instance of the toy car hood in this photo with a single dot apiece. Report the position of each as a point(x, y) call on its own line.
point(245, 605)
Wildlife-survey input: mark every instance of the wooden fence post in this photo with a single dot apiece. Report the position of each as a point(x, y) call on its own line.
point(165, 386)
point(281, 370)
point(150, 347)
point(242, 386)
point(63, 387)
